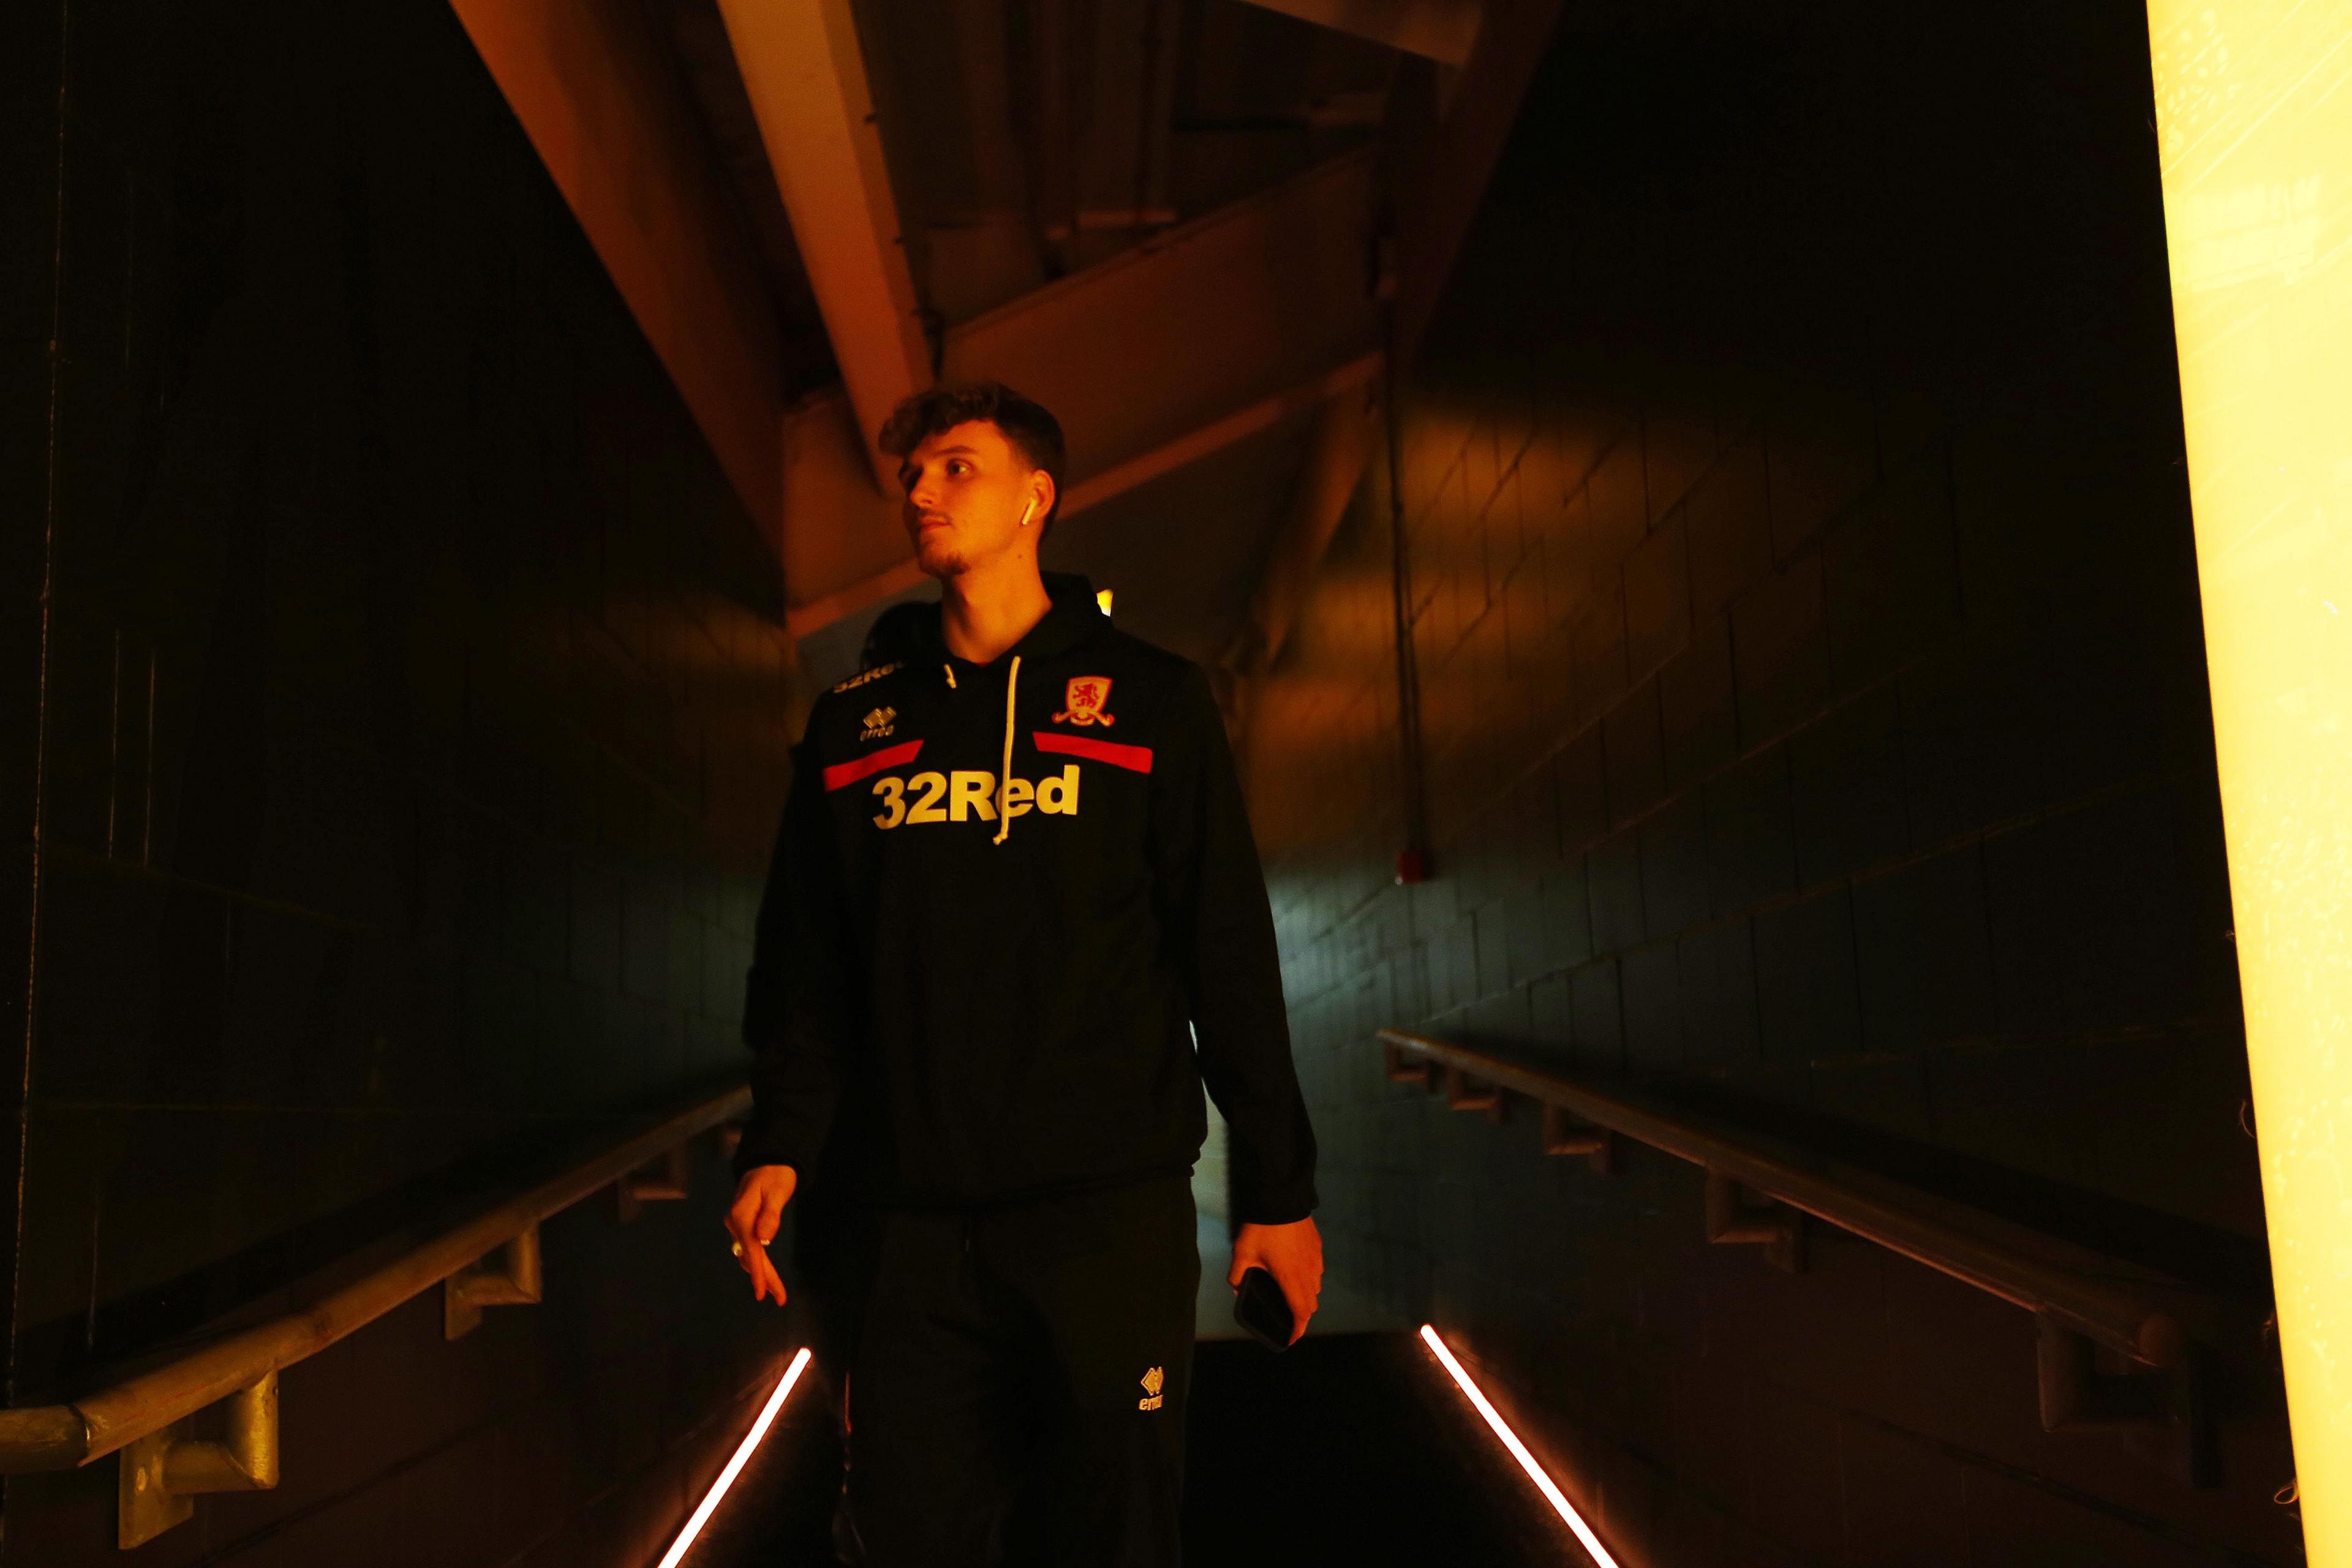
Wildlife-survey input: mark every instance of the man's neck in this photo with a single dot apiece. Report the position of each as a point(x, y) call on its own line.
point(984, 612)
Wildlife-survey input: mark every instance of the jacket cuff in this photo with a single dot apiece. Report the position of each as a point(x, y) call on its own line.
point(765, 1146)
point(1286, 1207)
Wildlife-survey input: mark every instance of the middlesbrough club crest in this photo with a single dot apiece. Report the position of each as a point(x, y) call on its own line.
point(1085, 697)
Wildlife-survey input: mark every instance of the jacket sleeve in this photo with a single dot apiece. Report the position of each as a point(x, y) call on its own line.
point(1215, 904)
point(797, 1016)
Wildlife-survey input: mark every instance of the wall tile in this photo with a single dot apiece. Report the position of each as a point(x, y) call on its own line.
point(1618, 500)
point(1597, 1016)
point(2093, 925)
point(1613, 877)
point(1699, 717)
point(1581, 774)
point(1657, 598)
point(1805, 983)
point(1729, 522)
point(1750, 829)
point(1652, 1010)
point(1823, 454)
point(1921, 936)
point(1779, 652)
point(1890, 575)
point(1847, 783)
point(1597, 643)
point(1675, 875)
point(1718, 968)
point(1635, 746)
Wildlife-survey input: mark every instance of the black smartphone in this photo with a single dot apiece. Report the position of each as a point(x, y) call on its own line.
point(1261, 1310)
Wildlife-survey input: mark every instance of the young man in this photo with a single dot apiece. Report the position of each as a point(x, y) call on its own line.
point(1015, 921)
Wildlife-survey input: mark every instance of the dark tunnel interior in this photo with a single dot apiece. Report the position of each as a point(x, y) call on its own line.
point(1723, 636)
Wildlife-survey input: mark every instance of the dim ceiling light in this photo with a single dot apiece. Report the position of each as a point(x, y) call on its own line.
point(735, 1465)
point(1544, 1483)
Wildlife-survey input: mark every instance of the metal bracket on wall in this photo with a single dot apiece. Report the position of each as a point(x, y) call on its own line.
point(1398, 1070)
point(640, 1186)
point(1732, 1220)
point(730, 1141)
point(507, 1277)
point(1464, 1092)
point(162, 1473)
point(2167, 1405)
point(1596, 1145)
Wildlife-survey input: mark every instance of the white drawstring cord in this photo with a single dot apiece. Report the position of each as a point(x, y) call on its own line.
point(1005, 774)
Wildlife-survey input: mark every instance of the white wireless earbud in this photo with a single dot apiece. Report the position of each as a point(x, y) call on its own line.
point(1028, 511)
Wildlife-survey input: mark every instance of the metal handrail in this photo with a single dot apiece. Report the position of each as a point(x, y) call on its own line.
point(62, 1436)
point(2090, 1295)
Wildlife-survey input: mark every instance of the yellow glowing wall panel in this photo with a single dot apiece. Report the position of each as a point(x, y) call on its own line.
point(2254, 112)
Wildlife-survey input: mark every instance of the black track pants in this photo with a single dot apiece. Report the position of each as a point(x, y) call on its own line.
point(1018, 1393)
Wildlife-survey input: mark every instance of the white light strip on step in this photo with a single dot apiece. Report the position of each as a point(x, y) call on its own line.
point(735, 1465)
point(1544, 1483)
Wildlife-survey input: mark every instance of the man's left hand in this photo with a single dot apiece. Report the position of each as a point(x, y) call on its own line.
point(1293, 1254)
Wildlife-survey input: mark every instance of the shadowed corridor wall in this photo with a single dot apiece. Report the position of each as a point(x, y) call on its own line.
point(401, 734)
point(1803, 596)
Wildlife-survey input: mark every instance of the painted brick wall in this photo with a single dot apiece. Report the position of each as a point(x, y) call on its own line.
point(409, 705)
point(1804, 601)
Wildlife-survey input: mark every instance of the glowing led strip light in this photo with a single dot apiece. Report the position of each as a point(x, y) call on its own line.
point(1518, 1450)
point(735, 1465)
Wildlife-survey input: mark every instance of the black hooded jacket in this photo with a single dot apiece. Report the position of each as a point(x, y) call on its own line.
point(958, 1004)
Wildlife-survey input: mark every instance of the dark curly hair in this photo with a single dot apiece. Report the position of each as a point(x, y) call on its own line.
point(1036, 433)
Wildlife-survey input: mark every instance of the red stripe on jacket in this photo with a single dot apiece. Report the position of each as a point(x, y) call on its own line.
point(867, 767)
point(1136, 759)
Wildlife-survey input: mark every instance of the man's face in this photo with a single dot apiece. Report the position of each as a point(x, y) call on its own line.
point(967, 487)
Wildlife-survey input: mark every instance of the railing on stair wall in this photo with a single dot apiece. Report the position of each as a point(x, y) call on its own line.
point(1763, 1194)
point(490, 1258)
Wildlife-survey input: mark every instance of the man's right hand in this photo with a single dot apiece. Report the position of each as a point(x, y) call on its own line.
point(757, 1210)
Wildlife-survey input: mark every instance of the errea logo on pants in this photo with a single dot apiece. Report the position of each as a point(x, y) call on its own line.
point(969, 793)
point(1153, 1381)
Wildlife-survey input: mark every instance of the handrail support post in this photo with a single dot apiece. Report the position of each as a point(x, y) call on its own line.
point(1401, 1070)
point(2165, 1404)
point(513, 1280)
point(1732, 1220)
point(1465, 1093)
point(1596, 1145)
point(641, 1187)
point(161, 1475)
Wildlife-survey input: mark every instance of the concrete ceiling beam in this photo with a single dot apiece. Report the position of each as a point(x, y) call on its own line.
point(1200, 321)
point(1343, 442)
point(592, 86)
point(1441, 30)
point(806, 79)
point(1444, 160)
point(1156, 358)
